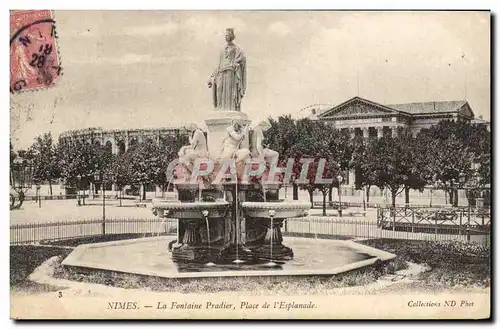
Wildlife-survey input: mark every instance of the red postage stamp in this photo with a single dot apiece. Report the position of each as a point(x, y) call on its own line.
point(34, 59)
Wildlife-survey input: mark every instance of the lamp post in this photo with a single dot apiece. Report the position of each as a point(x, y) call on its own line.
point(39, 197)
point(434, 186)
point(363, 191)
point(78, 185)
point(340, 179)
point(464, 186)
point(21, 179)
point(453, 188)
point(96, 179)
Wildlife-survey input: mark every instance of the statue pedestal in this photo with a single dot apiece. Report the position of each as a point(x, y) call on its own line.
point(217, 123)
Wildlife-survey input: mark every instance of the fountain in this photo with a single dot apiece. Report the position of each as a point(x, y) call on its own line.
point(227, 222)
point(228, 210)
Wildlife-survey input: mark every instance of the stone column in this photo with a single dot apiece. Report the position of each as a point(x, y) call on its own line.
point(394, 131)
point(352, 177)
point(380, 132)
point(126, 141)
point(114, 146)
point(352, 132)
point(366, 132)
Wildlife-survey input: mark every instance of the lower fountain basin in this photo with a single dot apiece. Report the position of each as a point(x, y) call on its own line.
point(149, 256)
point(278, 210)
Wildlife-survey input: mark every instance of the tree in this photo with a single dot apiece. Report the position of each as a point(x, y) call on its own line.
point(320, 141)
point(281, 137)
point(392, 161)
point(147, 163)
point(13, 154)
point(118, 173)
point(81, 159)
point(44, 153)
point(452, 148)
point(362, 160)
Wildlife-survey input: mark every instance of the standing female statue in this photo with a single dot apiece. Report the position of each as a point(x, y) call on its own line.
point(228, 82)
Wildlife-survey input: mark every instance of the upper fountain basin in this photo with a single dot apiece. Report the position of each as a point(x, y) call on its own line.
point(278, 210)
point(191, 210)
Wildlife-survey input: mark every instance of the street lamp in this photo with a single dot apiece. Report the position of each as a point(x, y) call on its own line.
point(39, 197)
point(453, 191)
point(21, 179)
point(434, 186)
point(79, 180)
point(340, 179)
point(99, 177)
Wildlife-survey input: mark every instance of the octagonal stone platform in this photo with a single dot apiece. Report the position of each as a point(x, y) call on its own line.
point(149, 256)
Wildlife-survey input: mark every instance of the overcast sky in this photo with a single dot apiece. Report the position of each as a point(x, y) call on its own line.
point(144, 69)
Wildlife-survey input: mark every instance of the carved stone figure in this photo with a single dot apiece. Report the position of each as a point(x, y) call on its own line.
point(228, 82)
point(258, 150)
point(231, 144)
point(197, 147)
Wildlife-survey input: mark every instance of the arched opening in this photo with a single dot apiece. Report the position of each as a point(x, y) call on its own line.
point(109, 147)
point(121, 147)
point(132, 142)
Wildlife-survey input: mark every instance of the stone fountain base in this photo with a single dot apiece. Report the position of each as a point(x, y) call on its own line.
point(276, 252)
point(149, 256)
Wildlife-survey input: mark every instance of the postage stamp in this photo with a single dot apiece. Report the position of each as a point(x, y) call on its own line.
point(34, 59)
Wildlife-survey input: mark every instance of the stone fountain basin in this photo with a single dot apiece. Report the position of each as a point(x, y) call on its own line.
point(191, 210)
point(282, 210)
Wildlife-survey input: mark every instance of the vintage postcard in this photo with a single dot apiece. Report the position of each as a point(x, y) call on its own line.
point(250, 164)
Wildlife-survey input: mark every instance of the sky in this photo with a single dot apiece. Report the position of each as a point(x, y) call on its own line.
point(149, 69)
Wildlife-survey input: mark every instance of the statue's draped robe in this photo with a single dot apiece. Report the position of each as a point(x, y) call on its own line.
point(229, 79)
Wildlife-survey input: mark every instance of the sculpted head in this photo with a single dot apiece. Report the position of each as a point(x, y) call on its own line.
point(230, 35)
point(237, 127)
point(191, 127)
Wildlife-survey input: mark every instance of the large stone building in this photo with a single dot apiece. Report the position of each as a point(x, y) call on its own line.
point(370, 119)
point(119, 140)
point(362, 117)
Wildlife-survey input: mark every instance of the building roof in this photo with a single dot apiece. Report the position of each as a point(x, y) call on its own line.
point(429, 107)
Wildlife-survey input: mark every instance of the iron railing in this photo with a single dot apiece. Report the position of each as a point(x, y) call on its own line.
point(37, 232)
point(361, 228)
point(398, 223)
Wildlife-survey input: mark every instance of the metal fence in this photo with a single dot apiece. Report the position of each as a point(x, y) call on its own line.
point(361, 228)
point(37, 232)
point(408, 224)
point(461, 220)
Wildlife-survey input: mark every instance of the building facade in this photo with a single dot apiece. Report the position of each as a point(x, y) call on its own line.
point(366, 118)
point(118, 141)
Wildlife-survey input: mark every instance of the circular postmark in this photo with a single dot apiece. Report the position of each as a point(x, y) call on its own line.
point(34, 60)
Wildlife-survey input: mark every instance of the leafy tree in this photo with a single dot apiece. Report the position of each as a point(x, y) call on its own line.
point(118, 172)
point(147, 163)
point(281, 137)
point(320, 141)
point(13, 154)
point(392, 160)
point(452, 148)
point(44, 153)
point(361, 163)
point(84, 160)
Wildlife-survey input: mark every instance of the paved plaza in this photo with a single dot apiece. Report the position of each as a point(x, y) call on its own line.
point(68, 210)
